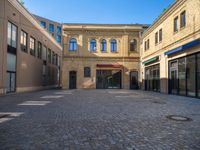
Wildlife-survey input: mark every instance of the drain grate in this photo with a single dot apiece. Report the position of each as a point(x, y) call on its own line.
point(4, 116)
point(178, 118)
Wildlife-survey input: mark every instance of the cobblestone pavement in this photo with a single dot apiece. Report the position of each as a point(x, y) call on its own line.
point(98, 120)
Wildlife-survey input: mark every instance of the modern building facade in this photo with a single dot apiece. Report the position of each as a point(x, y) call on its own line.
point(170, 51)
point(29, 56)
point(101, 56)
point(54, 28)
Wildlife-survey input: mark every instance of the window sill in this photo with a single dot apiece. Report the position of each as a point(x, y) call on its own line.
point(133, 51)
point(92, 51)
point(72, 51)
point(182, 28)
point(175, 32)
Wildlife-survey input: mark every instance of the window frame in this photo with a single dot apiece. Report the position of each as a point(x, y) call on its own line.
point(32, 51)
point(113, 45)
point(176, 24)
point(73, 44)
point(183, 19)
point(145, 45)
point(24, 41)
point(39, 50)
point(51, 28)
point(58, 30)
point(160, 35)
point(148, 44)
point(156, 38)
point(44, 52)
point(11, 41)
point(103, 45)
point(93, 45)
point(87, 72)
point(58, 39)
point(49, 55)
point(133, 45)
point(43, 24)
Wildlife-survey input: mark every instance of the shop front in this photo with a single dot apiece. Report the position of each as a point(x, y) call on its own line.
point(109, 76)
point(108, 79)
point(152, 75)
point(184, 72)
point(184, 76)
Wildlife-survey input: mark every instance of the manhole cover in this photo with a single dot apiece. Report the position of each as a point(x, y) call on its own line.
point(179, 118)
point(4, 116)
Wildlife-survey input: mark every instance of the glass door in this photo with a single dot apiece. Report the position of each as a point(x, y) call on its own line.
point(72, 80)
point(134, 80)
point(152, 78)
point(108, 79)
point(11, 82)
point(11, 73)
point(191, 75)
point(198, 75)
point(174, 78)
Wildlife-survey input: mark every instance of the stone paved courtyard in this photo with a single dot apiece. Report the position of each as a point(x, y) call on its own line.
point(98, 120)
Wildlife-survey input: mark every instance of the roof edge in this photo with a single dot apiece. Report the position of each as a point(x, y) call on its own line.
point(160, 18)
point(33, 20)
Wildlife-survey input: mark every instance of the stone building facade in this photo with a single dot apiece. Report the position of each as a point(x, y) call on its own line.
point(29, 57)
point(170, 58)
point(101, 56)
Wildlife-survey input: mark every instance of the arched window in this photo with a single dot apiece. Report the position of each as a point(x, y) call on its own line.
point(103, 45)
point(73, 44)
point(113, 45)
point(93, 45)
point(133, 45)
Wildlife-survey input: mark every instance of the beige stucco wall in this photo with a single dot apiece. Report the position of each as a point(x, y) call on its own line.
point(171, 40)
point(78, 65)
point(83, 57)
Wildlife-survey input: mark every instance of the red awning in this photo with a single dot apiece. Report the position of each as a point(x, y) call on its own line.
point(109, 65)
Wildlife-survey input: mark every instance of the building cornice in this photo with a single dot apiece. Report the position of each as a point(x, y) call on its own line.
point(32, 19)
point(104, 27)
point(93, 24)
point(97, 58)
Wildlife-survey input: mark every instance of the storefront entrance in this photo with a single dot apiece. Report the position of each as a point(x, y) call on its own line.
point(184, 76)
point(108, 79)
point(152, 78)
point(173, 86)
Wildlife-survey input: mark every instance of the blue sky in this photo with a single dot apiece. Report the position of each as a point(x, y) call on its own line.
point(98, 11)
